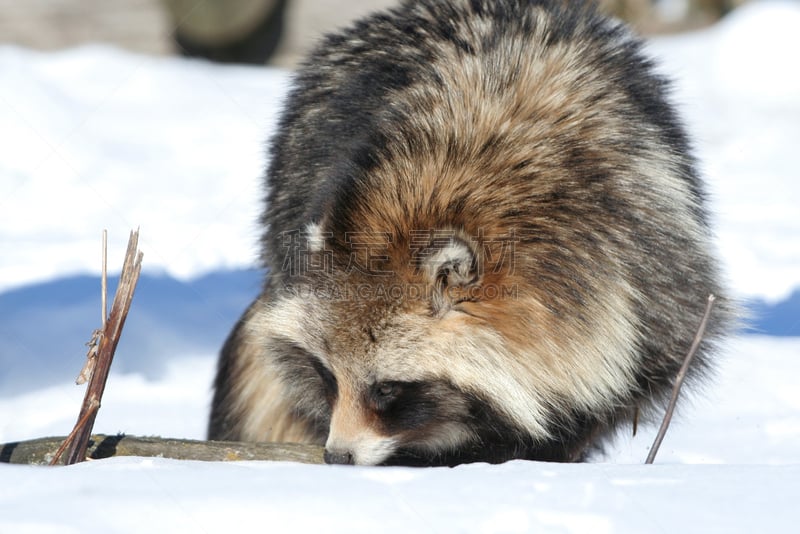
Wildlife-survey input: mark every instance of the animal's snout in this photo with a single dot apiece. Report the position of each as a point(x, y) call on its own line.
point(340, 457)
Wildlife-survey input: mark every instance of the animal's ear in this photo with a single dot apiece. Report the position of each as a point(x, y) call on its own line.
point(453, 270)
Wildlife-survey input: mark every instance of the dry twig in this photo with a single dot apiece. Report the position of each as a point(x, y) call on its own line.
point(676, 388)
point(101, 353)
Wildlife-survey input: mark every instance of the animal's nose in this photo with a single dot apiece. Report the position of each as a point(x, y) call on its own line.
point(338, 457)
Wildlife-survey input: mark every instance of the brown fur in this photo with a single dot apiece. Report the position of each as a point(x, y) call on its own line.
point(497, 243)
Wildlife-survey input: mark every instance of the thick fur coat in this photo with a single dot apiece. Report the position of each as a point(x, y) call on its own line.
point(485, 238)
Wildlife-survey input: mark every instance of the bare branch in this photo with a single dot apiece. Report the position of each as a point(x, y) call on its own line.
point(102, 350)
point(676, 388)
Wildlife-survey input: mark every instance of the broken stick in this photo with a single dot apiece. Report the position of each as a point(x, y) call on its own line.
point(101, 349)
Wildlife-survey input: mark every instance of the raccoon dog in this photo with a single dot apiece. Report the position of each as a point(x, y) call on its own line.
point(485, 240)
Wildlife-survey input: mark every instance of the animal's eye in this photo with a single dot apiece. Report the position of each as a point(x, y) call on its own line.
point(385, 389)
point(384, 394)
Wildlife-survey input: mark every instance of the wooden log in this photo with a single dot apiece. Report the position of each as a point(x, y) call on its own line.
point(41, 451)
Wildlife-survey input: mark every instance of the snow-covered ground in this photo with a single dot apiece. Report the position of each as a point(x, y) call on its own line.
point(98, 138)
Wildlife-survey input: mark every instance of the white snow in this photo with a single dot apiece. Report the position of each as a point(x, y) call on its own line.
point(98, 138)
point(106, 139)
point(738, 85)
point(146, 495)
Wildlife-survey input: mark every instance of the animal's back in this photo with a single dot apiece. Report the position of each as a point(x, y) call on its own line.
point(519, 164)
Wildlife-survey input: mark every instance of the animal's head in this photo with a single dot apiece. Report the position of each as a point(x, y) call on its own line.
point(437, 358)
